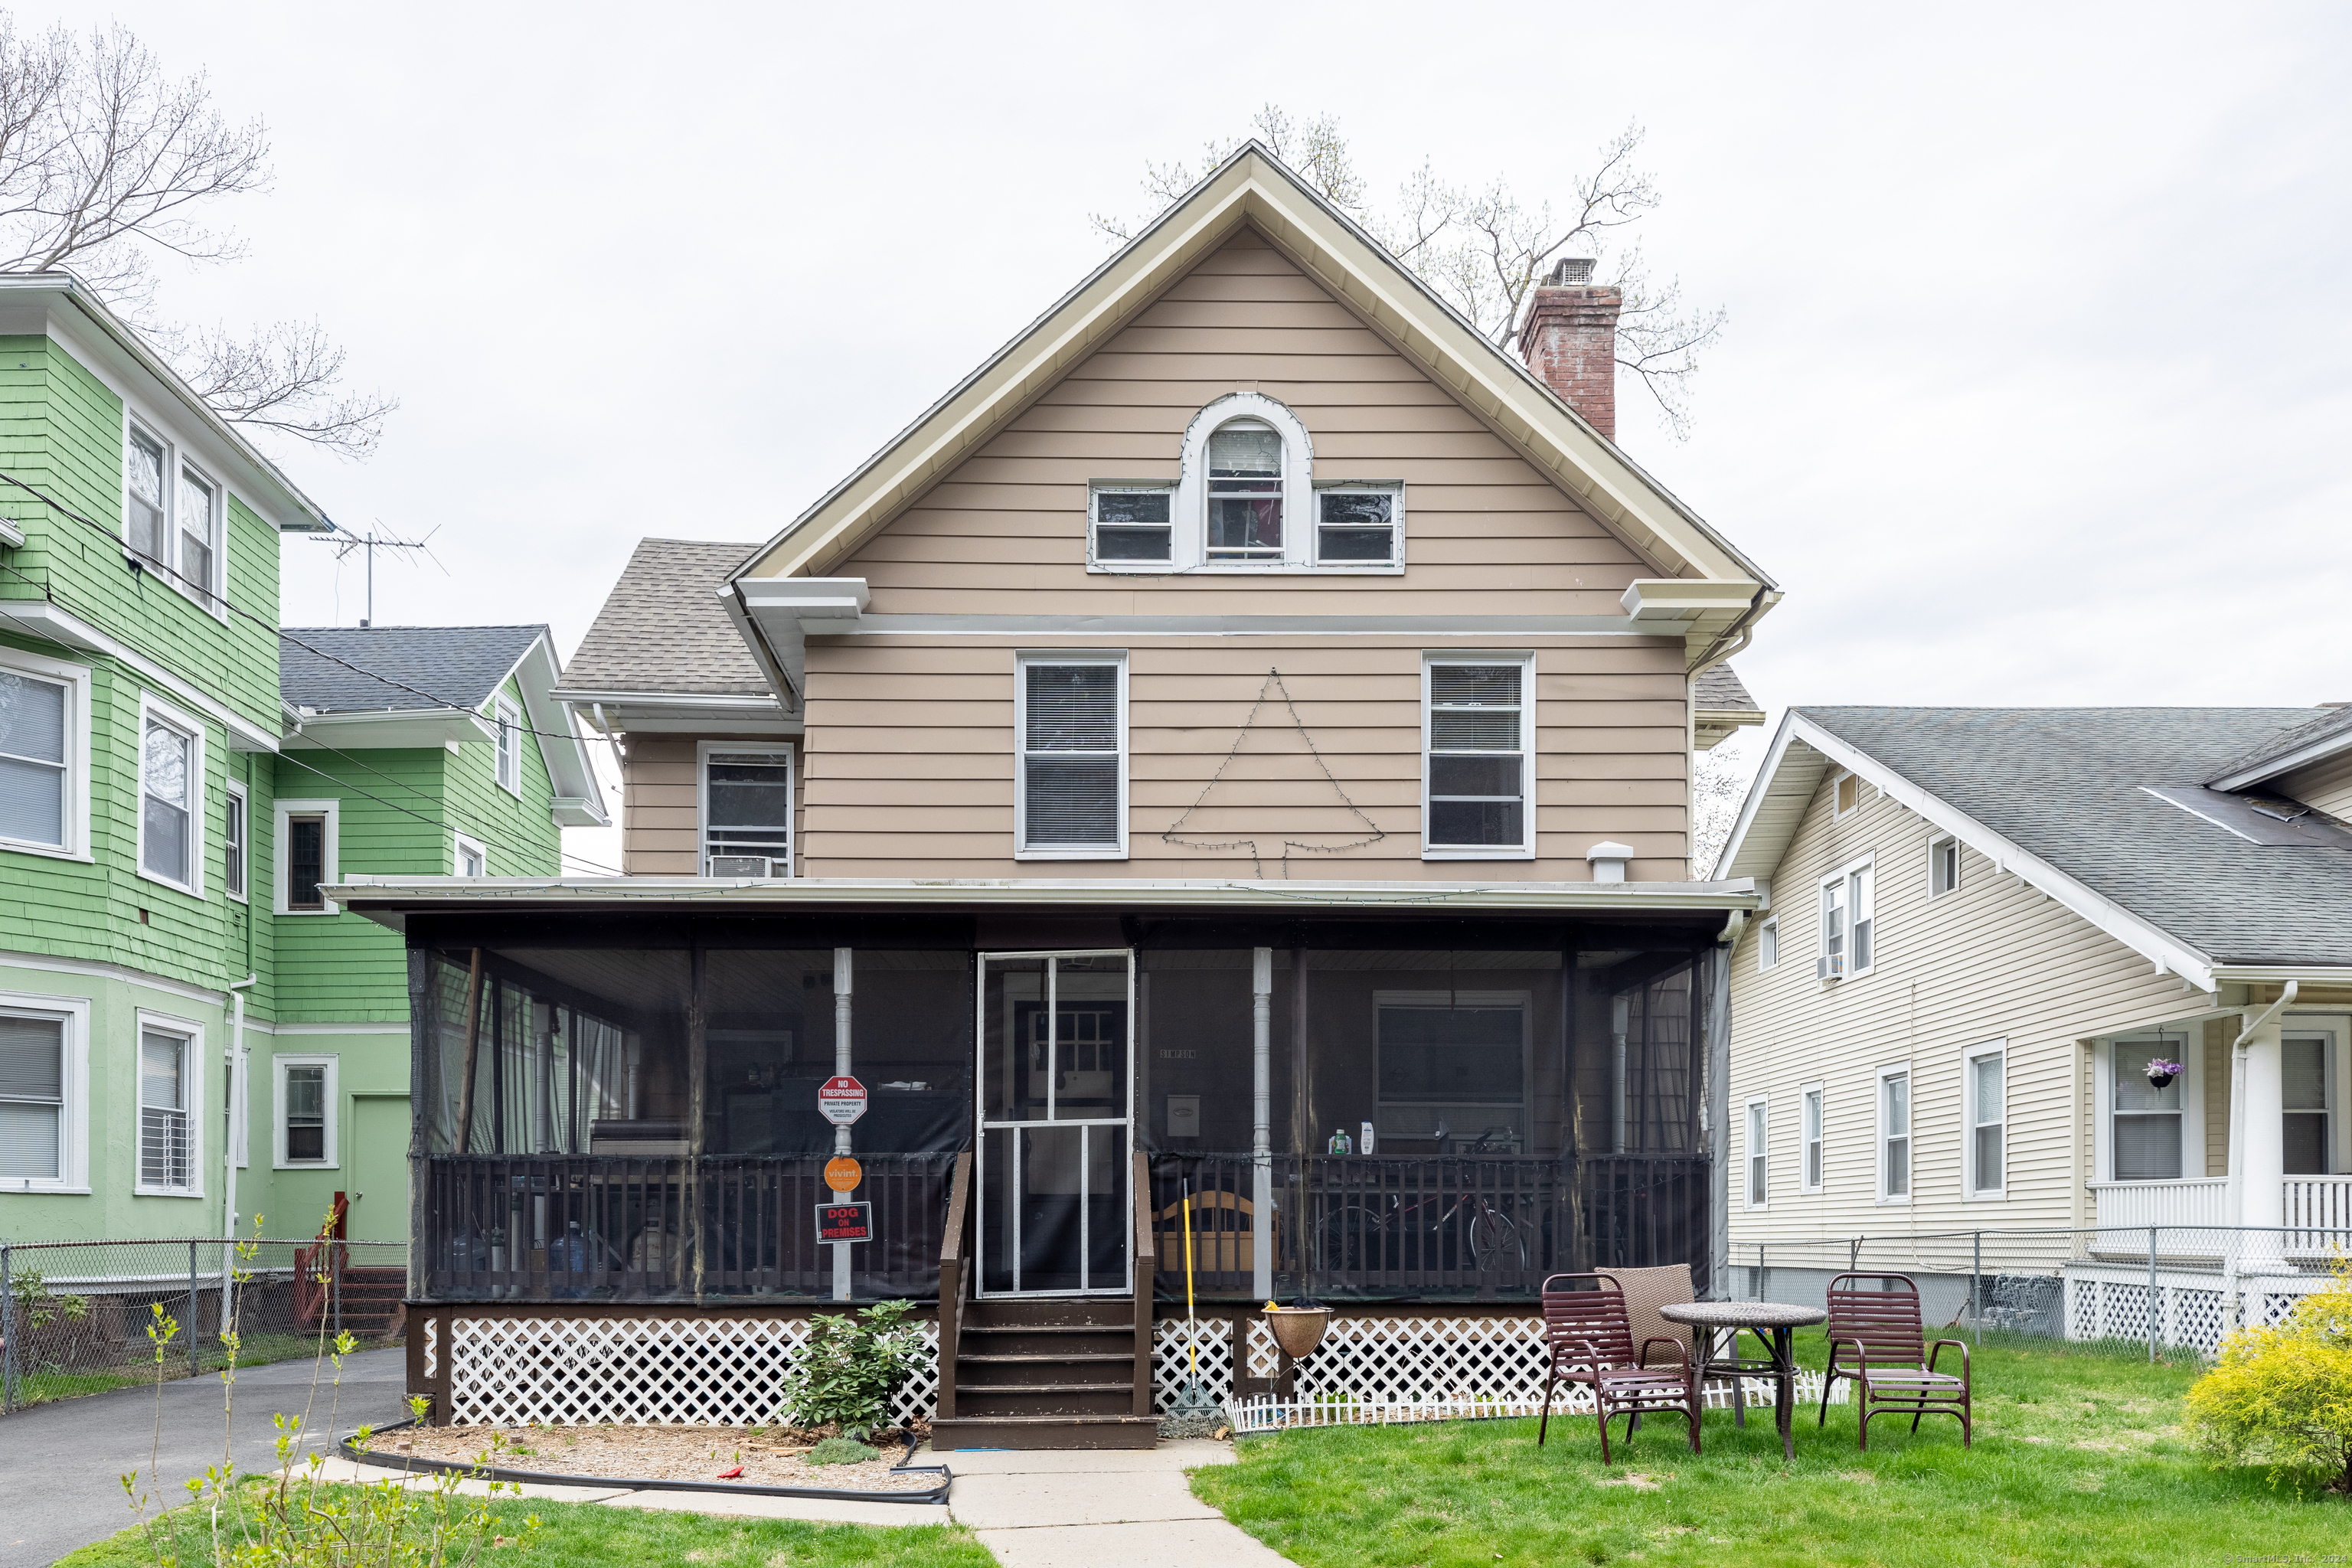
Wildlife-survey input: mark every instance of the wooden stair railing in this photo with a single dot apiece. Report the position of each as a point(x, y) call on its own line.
point(953, 1279)
point(1146, 1265)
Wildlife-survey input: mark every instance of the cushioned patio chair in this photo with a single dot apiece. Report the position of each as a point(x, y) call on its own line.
point(1877, 1341)
point(1590, 1341)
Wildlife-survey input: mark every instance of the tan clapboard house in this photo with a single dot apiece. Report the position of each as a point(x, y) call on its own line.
point(1979, 927)
point(1229, 757)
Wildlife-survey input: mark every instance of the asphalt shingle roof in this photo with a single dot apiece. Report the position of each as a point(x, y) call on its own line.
point(664, 629)
point(2331, 722)
point(1722, 690)
point(420, 667)
point(2065, 784)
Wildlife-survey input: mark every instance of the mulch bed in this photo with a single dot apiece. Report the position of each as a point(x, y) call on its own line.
point(770, 1456)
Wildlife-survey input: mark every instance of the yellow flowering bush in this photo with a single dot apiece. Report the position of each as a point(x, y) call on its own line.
point(2283, 1397)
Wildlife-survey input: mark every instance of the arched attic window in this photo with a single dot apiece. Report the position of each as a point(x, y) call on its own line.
point(1248, 500)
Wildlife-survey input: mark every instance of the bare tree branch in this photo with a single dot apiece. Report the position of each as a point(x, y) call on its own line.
point(105, 164)
point(1485, 251)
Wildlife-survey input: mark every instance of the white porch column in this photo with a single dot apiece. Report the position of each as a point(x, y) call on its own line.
point(2261, 1167)
point(842, 971)
point(1262, 1124)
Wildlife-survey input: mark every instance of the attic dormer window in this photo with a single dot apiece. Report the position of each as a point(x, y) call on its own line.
point(1245, 492)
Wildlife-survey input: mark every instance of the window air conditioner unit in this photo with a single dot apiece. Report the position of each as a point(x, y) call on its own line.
point(1829, 968)
point(741, 866)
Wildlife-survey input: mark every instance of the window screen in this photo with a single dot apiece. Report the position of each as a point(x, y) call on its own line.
point(748, 807)
point(32, 1098)
point(1070, 746)
point(32, 760)
point(306, 1112)
point(164, 1156)
point(1477, 759)
point(1132, 525)
point(1245, 492)
point(167, 798)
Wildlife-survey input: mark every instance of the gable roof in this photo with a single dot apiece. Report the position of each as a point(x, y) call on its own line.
point(2299, 747)
point(664, 629)
point(416, 667)
point(2063, 797)
point(1253, 187)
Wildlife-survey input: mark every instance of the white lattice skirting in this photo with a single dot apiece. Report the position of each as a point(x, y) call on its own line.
point(2191, 1308)
point(1266, 1413)
point(633, 1371)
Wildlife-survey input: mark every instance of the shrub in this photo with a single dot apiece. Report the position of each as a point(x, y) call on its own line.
point(2283, 1397)
point(840, 1451)
point(852, 1366)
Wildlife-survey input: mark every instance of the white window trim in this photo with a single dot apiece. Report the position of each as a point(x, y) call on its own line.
point(73, 1120)
point(1525, 849)
point(76, 678)
point(152, 708)
point(702, 751)
point(1097, 490)
point(193, 1076)
point(329, 855)
point(1971, 1192)
point(1845, 874)
point(332, 1103)
point(1768, 944)
point(504, 711)
point(459, 844)
point(1958, 856)
point(1838, 776)
point(237, 792)
point(1910, 1134)
point(1749, 1153)
point(213, 598)
point(1818, 1091)
point(2338, 1031)
point(2187, 1042)
point(1394, 490)
point(1020, 752)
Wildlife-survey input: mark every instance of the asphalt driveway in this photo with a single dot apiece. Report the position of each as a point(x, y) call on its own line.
point(60, 1465)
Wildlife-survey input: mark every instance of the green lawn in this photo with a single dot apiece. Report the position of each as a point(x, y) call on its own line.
point(40, 1384)
point(2077, 1460)
point(591, 1536)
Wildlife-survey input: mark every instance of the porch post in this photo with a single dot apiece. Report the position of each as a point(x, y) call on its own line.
point(2261, 1171)
point(1261, 1123)
point(841, 979)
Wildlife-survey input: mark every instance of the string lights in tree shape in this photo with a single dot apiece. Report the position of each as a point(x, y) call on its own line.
point(1273, 684)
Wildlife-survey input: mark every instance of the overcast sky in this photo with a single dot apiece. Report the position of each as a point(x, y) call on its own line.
point(2034, 389)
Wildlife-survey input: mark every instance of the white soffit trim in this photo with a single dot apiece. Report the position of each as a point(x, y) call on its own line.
point(2169, 952)
point(2318, 750)
point(396, 727)
point(1252, 186)
point(579, 798)
point(59, 625)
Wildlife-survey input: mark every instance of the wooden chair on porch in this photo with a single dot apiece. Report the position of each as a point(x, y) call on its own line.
point(1224, 1233)
point(1878, 1341)
point(1590, 1340)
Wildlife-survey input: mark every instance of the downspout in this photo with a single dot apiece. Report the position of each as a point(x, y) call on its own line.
point(1261, 1123)
point(234, 1051)
point(1744, 628)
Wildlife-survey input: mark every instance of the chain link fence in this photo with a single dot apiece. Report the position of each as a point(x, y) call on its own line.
point(2165, 1291)
point(75, 1316)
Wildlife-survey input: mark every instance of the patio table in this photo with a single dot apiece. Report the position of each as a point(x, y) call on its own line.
point(1774, 1322)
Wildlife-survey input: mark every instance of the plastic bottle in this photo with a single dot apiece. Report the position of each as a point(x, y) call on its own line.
point(1340, 1143)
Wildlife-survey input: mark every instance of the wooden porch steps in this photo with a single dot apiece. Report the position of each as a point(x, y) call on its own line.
point(1045, 1374)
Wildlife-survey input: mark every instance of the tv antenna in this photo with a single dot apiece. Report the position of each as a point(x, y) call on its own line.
point(345, 542)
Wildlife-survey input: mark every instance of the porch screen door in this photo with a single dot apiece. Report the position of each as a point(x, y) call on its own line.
point(1056, 1089)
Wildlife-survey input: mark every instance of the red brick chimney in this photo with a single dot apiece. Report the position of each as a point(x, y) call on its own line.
point(1571, 341)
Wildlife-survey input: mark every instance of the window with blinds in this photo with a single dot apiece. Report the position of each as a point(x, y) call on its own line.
point(1072, 715)
point(1477, 762)
point(32, 760)
point(2144, 1134)
point(166, 1152)
point(32, 1099)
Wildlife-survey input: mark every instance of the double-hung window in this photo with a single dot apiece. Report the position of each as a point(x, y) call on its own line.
point(2145, 1130)
point(170, 801)
point(1132, 524)
point(1245, 492)
point(37, 1096)
point(470, 858)
point(34, 715)
point(308, 831)
point(172, 515)
point(1895, 1135)
point(1768, 944)
point(2309, 1072)
point(509, 720)
point(1809, 1175)
point(235, 830)
point(747, 811)
point(167, 1161)
point(1070, 715)
point(1477, 728)
point(1985, 1096)
point(1759, 1121)
point(1943, 867)
point(306, 1111)
point(1357, 525)
point(1846, 922)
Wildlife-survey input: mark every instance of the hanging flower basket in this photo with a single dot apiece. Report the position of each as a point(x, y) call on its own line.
point(1297, 1330)
point(2161, 1074)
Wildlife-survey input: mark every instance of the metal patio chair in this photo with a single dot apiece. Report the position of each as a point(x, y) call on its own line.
point(1878, 1341)
point(1589, 1337)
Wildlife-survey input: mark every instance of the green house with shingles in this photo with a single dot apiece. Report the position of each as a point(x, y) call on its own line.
point(172, 985)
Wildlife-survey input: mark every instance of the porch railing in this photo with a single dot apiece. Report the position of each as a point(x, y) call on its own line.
point(613, 1228)
point(2318, 1212)
point(1460, 1226)
point(2316, 1209)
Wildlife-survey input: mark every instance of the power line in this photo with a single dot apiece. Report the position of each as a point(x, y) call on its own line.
point(488, 841)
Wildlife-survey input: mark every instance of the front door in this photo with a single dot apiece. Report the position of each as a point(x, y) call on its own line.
point(1055, 1091)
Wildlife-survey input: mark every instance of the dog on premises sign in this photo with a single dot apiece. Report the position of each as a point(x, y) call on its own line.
point(845, 1221)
